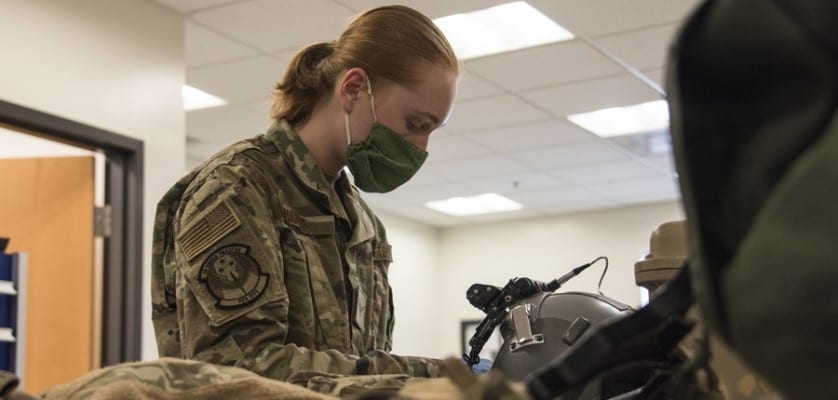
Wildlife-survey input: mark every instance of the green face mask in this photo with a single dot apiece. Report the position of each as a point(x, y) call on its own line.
point(384, 160)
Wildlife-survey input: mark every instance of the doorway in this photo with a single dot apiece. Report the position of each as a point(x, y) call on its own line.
point(110, 294)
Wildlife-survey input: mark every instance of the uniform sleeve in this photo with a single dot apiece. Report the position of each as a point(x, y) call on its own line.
point(232, 299)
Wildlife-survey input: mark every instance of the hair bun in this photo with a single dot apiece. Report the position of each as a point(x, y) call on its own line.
point(315, 54)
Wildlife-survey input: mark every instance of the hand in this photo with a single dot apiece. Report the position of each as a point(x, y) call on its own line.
point(482, 367)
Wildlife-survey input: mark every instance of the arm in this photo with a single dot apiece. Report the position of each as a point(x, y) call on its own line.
point(232, 298)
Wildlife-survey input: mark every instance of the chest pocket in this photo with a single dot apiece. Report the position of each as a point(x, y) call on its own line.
point(373, 312)
point(318, 277)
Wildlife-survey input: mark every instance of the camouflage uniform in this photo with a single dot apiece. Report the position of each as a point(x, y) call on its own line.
point(259, 262)
point(169, 378)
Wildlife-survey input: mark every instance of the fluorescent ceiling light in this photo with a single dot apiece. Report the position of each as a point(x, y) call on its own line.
point(483, 204)
point(196, 99)
point(626, 120)
point(498, 29)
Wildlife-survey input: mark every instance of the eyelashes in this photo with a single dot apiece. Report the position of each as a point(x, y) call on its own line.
point(419, 128)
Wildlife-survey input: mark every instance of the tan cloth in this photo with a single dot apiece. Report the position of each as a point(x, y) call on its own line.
point(167, 379)
point(171, 379)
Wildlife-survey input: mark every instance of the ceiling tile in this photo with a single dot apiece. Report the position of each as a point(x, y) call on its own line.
point(451, 147)
point(224, 123)
point(492, 112)
point(569, 155)
point(605, 171)
point(531, 136)
point(656, 74)
point(388, 204)
point(563, 62)
point(598, 17)
point(578, 206)
point(592, 95)
point(562, 199)
point(471, 87)
point(553, 196)
point(497, 135)
point(664, 163)
point(511, 184)
point(419, 196)
point(192, 5)
point(248, 80)
point(503, 216)
point(476, 167)
point(285, 56)
point(204, 47)
point(272, 25)
point(422, 215)
point(423, 178)
point(642, 49)
point(627, 189)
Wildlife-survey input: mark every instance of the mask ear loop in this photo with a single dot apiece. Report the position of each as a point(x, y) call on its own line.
point(372, 100)
point(346, 128)
point(346, 115)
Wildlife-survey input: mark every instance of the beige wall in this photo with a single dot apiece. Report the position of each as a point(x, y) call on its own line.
point(413, 275)
point(433, 268)
point(116, 65)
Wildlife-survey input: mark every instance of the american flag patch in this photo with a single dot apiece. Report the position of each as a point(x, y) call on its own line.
point(208, 229)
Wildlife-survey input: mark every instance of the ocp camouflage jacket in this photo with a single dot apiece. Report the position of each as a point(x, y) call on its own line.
point(260, 263)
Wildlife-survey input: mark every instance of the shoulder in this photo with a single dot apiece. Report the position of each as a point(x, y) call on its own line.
point(233, 170)
point(246, 163)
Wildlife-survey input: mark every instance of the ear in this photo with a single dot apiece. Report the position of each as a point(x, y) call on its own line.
point(353, 82)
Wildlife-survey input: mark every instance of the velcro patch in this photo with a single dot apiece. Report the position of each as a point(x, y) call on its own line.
point(317, 225)
point(382, 252)
point(210, 227)
point(233, 277)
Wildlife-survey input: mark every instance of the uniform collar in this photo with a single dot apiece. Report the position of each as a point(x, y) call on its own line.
point(359, 217)
point(298, 157)
point(295, 152)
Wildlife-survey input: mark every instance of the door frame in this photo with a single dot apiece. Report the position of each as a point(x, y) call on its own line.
point(123, 263)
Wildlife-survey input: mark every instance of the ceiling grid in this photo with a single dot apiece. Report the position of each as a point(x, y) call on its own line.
point(508, 133)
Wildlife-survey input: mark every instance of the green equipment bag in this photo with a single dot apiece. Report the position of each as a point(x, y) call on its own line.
point(753, 90)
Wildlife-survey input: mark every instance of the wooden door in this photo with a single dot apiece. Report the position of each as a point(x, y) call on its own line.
point(46, 209)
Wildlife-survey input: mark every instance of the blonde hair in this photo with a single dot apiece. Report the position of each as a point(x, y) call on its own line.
point(391, 42)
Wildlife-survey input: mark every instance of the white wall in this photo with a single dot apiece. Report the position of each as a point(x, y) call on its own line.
point(413, 274)
point(21, 145)
point(432, 268)
point(116, 65)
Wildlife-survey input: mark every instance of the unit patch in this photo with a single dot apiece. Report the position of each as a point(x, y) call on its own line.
point(233, 277)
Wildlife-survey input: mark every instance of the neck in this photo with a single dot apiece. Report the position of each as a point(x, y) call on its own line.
point(318, 133)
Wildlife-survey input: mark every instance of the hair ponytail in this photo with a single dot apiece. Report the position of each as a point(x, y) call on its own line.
point(304, 83)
